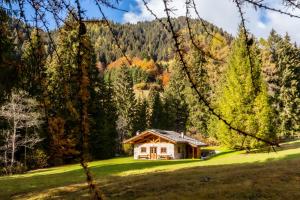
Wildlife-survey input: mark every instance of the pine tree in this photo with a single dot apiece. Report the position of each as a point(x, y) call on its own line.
point(125, 102)
point(155, 110)
point(9, 62)
point(272, 72)
point(198, 114)
point(281, 69)
point(142, 123)
point(243, 99)
point(34, 59)
point(103, 133)
point(176, 108)
point(289, 58)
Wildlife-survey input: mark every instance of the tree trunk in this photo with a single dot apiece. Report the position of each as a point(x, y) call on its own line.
point(25, 150)
point(13, 139)
point(5, 158)
point(13, 148)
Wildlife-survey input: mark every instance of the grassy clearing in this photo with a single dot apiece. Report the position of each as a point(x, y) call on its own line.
point(228, 175)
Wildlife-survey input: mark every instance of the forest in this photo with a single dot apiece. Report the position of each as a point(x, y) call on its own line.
point(51, 93)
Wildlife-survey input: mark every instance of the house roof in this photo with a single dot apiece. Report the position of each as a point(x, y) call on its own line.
point(169, 135)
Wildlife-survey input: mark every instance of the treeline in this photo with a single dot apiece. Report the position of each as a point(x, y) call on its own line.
point(44, 86)
point(143, 40)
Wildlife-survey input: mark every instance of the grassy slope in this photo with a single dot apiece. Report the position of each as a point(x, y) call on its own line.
point(232, 175)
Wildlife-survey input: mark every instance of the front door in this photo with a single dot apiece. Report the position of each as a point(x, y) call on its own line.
point(153, 153)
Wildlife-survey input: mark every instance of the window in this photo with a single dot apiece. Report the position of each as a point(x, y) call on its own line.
point(143, 150)
point(163, 150)
point(178, 150)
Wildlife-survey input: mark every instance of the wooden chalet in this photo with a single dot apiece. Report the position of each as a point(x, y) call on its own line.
point(161, 144)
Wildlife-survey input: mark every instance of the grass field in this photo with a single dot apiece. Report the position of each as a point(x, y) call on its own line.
point(228, 175)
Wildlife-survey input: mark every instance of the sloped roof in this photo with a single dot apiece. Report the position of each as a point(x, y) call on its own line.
point(170, 135)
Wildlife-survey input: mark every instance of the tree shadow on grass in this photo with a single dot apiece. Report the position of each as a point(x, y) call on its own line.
point(138, 165)
point(44, 181)
point(286, 157)
point(258, 180)
point(284, 146)
point(272, 180)
point(219, 154)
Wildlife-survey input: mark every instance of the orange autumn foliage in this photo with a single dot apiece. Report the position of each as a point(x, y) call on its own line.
point(165, 78)
point(148, 65)
point(62, 143)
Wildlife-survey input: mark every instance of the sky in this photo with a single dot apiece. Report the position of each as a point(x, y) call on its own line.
point(222, 13)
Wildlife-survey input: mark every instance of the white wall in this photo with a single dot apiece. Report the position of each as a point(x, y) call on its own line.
point(182, 152)
point(169, 146)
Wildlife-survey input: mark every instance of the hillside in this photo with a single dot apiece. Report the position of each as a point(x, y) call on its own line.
point(228, 175)
point(144, 39)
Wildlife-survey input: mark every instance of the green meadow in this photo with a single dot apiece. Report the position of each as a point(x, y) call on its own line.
point(227, 175)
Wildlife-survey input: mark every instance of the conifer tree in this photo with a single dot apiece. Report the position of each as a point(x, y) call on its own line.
point(9, 62)
point(281, 69)
point(289, 96)
point(155, 110)
point(198, 114)
point(272, 72)
point(142, 123)
point(175, 103)
point(243, 99)
point(34, 59)
point(125, 102)
point(103, 133)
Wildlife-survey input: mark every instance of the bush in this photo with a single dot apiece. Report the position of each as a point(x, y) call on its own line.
point(140, 86)
point(3, 171)
point(128, 149)
point(17, 168)
point(38, 159)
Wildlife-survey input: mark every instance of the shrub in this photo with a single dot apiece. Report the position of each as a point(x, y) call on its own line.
point(38, 159)
point(128, 149)
point(3, 171)
point(140, 86)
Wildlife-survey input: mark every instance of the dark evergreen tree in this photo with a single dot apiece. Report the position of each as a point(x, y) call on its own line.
point(272, 73)
point(34, 59)
point(125, 103)
point(9, 61)
point(289, 59)
point(198, 114)
point(281, 69)
point(176, 107)
point(141, 123)
point(103, 135)
point(155, 110)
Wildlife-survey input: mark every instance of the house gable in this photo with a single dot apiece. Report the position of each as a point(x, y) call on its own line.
point(149, 137)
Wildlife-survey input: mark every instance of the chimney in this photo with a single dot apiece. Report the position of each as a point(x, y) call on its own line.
point(182, 134)
point(137, 133)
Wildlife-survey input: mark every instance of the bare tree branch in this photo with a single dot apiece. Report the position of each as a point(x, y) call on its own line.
point(257, 4)
point(192, 37)
point(201, 98)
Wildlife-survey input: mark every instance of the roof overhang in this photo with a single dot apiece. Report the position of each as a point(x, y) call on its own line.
point(193, 145)
point(146, 133)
